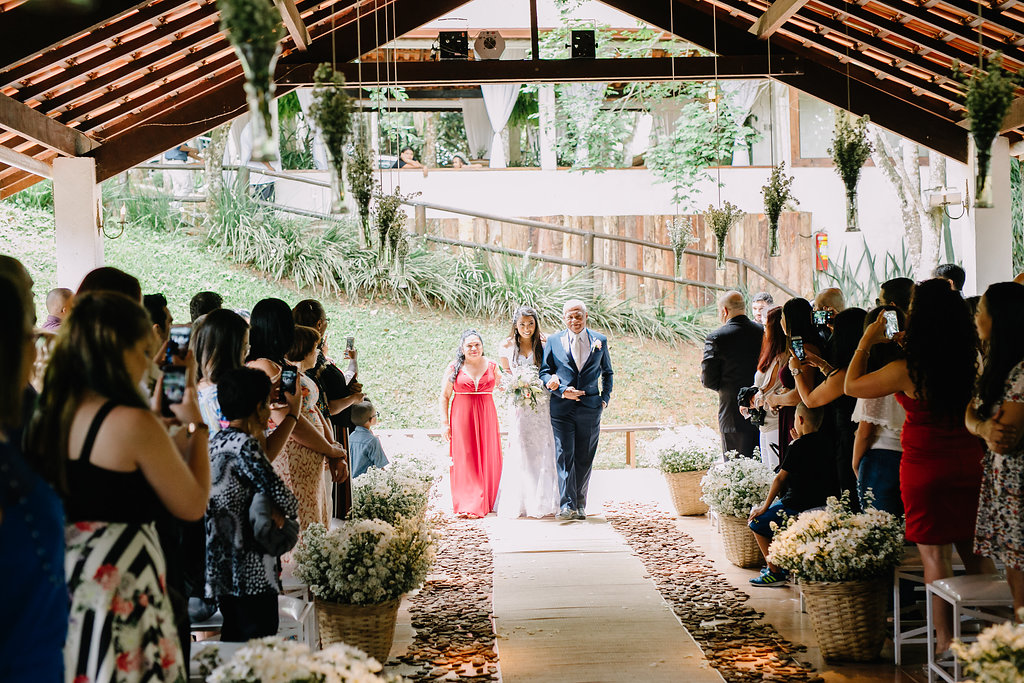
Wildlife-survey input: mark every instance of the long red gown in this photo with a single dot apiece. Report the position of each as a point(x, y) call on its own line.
point(475, 444)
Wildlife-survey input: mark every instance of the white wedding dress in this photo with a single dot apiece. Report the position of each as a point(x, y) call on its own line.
point(529, 480)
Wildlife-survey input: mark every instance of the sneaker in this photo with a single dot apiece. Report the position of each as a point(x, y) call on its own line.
point(770, 579)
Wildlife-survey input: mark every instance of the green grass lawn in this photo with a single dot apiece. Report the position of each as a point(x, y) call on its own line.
point(403, 352)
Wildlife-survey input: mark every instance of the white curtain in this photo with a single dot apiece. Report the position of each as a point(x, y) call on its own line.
point(478, 128)
point(319, 151)
point(499, 99)
point(742, 95)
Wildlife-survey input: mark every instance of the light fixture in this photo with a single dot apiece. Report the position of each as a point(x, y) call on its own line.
point(584, 44)
point(944, 197)
point(453, 44)
point(489, 45)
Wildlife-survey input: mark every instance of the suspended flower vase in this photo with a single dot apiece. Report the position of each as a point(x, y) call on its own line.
point(981, 166)
point(852, 220)
point(331, 110)
point(721, 221)
point(849, 151)
point(681, 237)
point(778, 196)
point(337, 187)
point(773, 239)
point(254, 28)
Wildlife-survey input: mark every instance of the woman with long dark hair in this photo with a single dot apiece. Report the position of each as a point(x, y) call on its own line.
point(529, 480)
point(768, 381)
point(940, 471)
point(470, 421)
point(997, 416)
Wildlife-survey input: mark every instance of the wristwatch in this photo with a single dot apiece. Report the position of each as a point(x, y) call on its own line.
point(193, 427)
point(795, 371)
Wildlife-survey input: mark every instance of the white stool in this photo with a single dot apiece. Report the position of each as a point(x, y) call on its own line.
point(294, 619)
point(969, 596)
point(911, 569)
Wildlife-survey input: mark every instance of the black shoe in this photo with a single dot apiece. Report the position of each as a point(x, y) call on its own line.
point(566, 514)
point(580, 514)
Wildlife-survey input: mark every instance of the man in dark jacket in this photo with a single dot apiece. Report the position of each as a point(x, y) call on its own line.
point(730, 360)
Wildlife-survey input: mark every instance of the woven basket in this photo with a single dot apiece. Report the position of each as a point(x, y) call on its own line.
point(371, 628)
point(848, 617)
point(740, 545)
point(685, 490)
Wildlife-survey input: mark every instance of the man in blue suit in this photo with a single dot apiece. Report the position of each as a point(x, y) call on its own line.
point(575, 359)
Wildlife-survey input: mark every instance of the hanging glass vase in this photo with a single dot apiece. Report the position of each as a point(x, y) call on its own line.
point(719, 253)
point(258, 66)
point(852, 220)
point(773, 238)
point(337, 188)
point(981, 166)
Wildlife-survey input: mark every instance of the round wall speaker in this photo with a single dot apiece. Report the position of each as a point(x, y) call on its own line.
point(489, 45)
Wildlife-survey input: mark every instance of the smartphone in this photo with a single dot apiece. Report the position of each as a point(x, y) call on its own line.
point(822, 318)
point(288, 377)
point(177, 344)
point(892, 323)
point(173, 388)
point(350, 343)
point(797, 344)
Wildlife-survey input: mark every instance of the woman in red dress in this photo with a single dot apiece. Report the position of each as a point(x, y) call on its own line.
point(471, 426)
point(940, 471)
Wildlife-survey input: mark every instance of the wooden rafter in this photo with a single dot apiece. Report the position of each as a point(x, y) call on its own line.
point(25, 163)
point(41, 129)
point(775, 16)
point(293, 22)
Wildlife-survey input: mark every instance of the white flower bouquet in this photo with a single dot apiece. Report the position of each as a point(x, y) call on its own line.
point(271, 660)
point(366, 561)
point(836, 544)
point(683, 449)
point(388, 494)
point(997, 656)
point(735, 486)
point(522, 386)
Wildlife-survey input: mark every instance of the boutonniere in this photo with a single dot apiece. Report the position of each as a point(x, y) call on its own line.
point(596, 346)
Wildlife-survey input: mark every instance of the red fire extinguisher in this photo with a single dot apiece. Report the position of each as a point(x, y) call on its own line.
point(821, 251)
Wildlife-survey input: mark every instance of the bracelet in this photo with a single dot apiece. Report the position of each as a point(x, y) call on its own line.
point(860, 350)
point(834, 371)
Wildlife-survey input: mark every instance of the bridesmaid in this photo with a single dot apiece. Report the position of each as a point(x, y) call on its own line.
point(471, 426)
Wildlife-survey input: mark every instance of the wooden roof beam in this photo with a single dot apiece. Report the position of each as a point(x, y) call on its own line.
point(778, 14)
point(43, 130)
point(293, 22)
point(1015, 117)
point(25, 162)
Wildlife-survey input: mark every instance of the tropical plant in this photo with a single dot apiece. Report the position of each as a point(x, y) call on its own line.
point(38, 196)
point(721, 221)
point(998, 654)
point(735, 486)
point(778, 196)
point(850, 149)
point(295, 136)
point(1016, 214)
point(689, 448)
point(860, 282)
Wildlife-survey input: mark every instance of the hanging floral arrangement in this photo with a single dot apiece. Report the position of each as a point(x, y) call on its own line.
point(721, 222)
point(681, 236)
point(393, 242)
point(778, 196)
point(850, 149)
point(331, 110)
point(989, 95)
point(254, 29)
point(360, 179)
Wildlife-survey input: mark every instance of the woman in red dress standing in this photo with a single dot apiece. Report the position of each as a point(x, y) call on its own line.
point(471, 426)
point(940, 470)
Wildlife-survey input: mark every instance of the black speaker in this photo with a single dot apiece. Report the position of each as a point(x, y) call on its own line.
point(584, 45)
point(454, 44)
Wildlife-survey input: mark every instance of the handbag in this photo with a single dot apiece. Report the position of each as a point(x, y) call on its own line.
point(268, 537)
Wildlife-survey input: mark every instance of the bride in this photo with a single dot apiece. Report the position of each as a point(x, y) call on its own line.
point(529, 480)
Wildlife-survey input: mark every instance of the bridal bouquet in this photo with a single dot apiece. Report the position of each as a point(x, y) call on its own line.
point(275, 661)
point(522, 386)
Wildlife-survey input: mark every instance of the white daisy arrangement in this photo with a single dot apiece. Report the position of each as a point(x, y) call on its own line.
point(735, 486)
point(836, 544)
point(688, 448)
point(270, 660)
point(390, 494)
point(998, 654)
point(365, 561)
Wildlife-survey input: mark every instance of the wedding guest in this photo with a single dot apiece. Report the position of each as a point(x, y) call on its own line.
point(529, 478)
point(760, 305)
point(32, 587)
point(896, 292)
point(107, 279)
point(940, 472)
point(240, 574)
point(58, 303)
point(470, 423)
point(830, 299)
point(120, 471)
point(997, 416)
point(797, 322)
point(953, 274)
point(768, 380)
point(407, 158)
point(364, 447)
point(729, 363)
point(159, 315)
point(459, 161)
point(203, 303)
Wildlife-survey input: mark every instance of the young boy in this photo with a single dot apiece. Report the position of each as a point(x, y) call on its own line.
point(806, 478)
point(364, 449)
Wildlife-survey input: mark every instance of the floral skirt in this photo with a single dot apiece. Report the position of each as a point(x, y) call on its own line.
point(302, 470)
point(121, 627)
point(999, 533)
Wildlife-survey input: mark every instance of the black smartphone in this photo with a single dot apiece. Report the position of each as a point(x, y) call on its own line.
point(288, 377)
point(173, 388)
point(797, 344)
point(892, 323)
point(822, 318)
point(177, 344)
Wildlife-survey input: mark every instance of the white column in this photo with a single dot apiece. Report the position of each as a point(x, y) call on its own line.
point(76, 215)
point(988, 253)
point(546, 105)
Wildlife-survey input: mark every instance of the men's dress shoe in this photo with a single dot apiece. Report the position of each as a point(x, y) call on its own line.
point(566, 514)
point(580, 514)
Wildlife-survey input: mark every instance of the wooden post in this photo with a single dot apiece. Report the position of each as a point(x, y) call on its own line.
point(631, 449)
point(741, 274)
point(421, 219)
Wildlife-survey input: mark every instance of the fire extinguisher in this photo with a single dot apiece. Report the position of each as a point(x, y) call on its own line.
point(821, 251)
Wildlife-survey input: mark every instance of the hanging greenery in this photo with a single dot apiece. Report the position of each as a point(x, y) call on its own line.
point(778, 196)
point(850, 149)
point(989, 93)
point(721, 222)
point(331, 109)
point(393, 242)
point(360, 179)
point(254, 28)
point(681, 236)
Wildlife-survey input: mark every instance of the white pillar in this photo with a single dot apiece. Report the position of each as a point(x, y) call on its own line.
point(76, 215)
point(546, 105)
point(988, 256)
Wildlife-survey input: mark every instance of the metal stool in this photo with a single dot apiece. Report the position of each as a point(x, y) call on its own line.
point(973, 597)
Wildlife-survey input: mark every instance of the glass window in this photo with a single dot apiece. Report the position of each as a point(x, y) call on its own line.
point(817, 123)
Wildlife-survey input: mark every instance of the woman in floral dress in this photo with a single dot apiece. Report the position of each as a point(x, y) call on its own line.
point(997, 415)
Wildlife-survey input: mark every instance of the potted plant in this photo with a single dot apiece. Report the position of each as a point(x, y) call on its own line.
point(684, 454)
point(721, 221)
point(331, 110)
point(732, 489)
point(389, 495)
point(273, 660)
point(358, 573)
point(778, 196)
point(997, 656)
point(361, 181)
point(844, 563)
point(989, 95)
point(850, 149)
point(254, 28)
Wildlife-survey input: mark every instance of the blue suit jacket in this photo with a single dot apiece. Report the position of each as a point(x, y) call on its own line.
point(558, 361)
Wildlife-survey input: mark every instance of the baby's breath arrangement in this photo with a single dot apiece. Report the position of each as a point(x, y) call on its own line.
point(850, 149)
point(272, 660)
point(998, 654)
point(389, 495)
point(735, 486)
point(836, 544)
point(331, 109)
point(366, 561)
point(681, 236)
point(778, 196)
point(393, 243)
point(688, 448)
point(721, 222)
point(360, 178)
